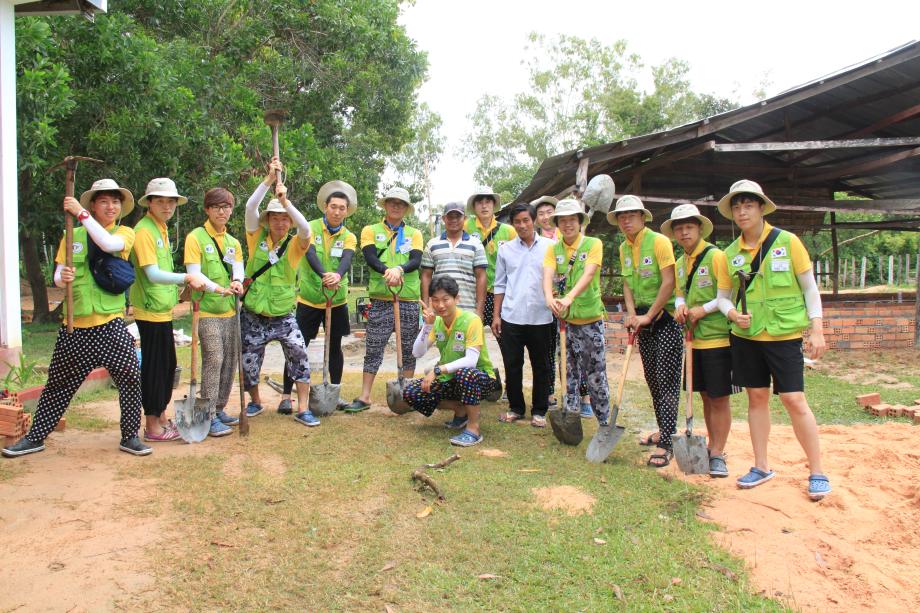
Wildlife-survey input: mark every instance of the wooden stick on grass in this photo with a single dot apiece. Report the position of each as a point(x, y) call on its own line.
point(420, 475)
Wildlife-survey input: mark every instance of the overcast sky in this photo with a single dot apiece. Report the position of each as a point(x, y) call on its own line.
point(475, 46)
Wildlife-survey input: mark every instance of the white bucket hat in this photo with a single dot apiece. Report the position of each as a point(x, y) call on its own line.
point(109, 185)
point(544, 200)
point(274, 206)
point(568, 207)
point(687, 211)
point(337, 186)
point(744, 186)
point(628, 203)
point(161, 187)
point(397, 193)
point(483, 190)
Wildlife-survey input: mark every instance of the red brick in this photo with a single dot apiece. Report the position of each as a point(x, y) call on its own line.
point(865, 400)
point(61, 425)
point(895, 410)
point(880, 410)
point(917, 419)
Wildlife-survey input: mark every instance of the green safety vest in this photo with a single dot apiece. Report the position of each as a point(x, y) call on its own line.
point(453, 346)
point(391, 256)
point(588, 304)
point(644, 276)
point(214, 269)
point(774, 298)
point(310, 283)
point(153, 297)
point(88, 297)
point(503, 234)
point(702, 290)
point(274, 293)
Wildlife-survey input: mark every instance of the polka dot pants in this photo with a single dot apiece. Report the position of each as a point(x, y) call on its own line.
point(661, 350)
point(586, 364)
point(75, 356)
point(468, 385)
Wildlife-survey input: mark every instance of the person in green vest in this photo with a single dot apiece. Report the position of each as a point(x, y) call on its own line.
point(323, 273)
point(271, 292)
point(153, 296)
point(393, 252)
point(464, 372)
point(100, 337)
point(647, 262)
point(782, 301)
point(481, 224)
point(211, 251)
point(702, 278)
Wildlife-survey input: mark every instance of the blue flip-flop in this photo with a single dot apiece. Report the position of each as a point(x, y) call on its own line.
point(819, 486)
point(754, 478)
point(466, 439)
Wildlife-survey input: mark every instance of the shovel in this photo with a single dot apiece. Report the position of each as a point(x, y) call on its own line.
point(566, 424)
point(325, 396)
point(395, 399)
point(606, 437)
point(244, 418)
point(690, 449)
point(193, 414)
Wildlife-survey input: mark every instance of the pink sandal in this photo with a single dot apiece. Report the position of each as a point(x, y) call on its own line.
point(510, 417)
point(538, 421)
point(166, 435)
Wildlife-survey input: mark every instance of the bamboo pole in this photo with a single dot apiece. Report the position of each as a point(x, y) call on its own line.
point(862, 274)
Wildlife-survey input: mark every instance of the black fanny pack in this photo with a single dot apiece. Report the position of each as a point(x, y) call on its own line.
point(111, 273)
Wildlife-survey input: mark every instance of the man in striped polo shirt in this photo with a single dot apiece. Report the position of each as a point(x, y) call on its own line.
point(458, 255)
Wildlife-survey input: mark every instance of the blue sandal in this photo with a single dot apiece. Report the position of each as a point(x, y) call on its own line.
point(819, 486)
point(717, 466)
point(754, 478)
point(466, 439)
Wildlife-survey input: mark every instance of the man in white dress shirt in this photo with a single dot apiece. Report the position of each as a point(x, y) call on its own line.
point(522, 319)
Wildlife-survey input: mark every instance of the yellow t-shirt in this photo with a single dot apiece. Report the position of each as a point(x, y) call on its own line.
point(723, 281)
point(664, 252)
point(350, 243)
point(97, 319)
point(145, 250)
point(800, 263)
point(367, 238)
point(484, 232)
point(595, 256)
point(193, 256)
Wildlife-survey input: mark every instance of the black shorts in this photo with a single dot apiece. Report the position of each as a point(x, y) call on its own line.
point(712, 372)
point(754, 363)
point(309, 319)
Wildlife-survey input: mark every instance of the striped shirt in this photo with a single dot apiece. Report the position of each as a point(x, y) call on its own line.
point(458, 262)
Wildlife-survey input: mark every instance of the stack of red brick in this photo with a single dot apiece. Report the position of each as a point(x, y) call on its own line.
point(873, 405)
point(14, 422)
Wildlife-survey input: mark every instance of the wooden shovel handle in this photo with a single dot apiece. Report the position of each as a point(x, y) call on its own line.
point(68, 242)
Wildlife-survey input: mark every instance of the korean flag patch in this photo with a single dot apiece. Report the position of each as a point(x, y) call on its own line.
point(779, 252)
point(702, 271)
point(380, 238)
point(647, 261)
point(458, 336)
point(738, 260)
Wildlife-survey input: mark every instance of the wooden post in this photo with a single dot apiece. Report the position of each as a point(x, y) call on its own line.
point(907, 269)
point(835, 281)
point(862, 274)
point(890, 270)
point(853, 271)
point(818, 278)
point(843, 278)
point(881, 271)
point(917, 313)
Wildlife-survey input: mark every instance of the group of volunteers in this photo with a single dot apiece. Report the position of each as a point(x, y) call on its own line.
point(746, 309)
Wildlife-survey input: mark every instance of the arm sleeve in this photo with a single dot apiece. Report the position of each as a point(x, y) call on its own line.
point(415, 261)
point(195, 269)
point(345, 262)
point(469, 360)
point(252, 207)
point(57, 275)
point(724, 298)
point(370, 256)
point(811, 293)
point(110, 243)
point(712, 306)
point(303, 226)
point(155, 275)
point(239, 271)
point(679, 301)
point(313, 261)
point(422, 341)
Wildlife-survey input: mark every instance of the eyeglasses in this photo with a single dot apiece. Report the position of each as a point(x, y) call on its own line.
point(221, 207)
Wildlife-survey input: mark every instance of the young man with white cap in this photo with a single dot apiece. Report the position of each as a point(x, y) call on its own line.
point(491, 233)
point(100, 337)
point(771, 271)
point(393, 251)
point(459, 255)
point(153, 296)
point(702, 278)
point(323, 273)
point(647, 262)
point(271, 292)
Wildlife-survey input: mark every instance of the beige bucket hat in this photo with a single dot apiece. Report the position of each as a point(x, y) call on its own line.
point(544, 200)
point(628, 203)
point(397, 193)
point(109, 185)
point(744, 186)
point(337, 186)
point(274, 206)
point(161, 187)
point(483, 190)
point(568, 207)
point(687, 211)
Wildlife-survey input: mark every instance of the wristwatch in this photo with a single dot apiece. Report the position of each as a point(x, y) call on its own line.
point(84, 214)
point(437, 371)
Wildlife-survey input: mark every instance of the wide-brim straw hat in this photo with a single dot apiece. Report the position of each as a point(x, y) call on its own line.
point(109, 185)
point(483, 190)
point(274, 206)
point(397, 193)
point(337, 186)
point(568, 207)
point(687, 211)
point(161, 187)
point(624, 205)
point(744, 186)
point(544, 200)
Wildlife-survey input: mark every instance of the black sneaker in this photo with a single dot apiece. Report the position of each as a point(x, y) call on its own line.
point(134, 446)
point(285, 407)
point(23, 447)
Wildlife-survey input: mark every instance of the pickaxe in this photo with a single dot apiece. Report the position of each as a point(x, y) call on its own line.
point(274, 119)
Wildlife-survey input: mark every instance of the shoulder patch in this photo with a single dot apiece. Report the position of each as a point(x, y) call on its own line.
point(159, 243)
point(779, 252)
point(209, 248)
point(702, 271)
point(647, 260)
point(77, 247)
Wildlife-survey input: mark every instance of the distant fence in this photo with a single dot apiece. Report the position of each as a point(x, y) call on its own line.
point(868, 270)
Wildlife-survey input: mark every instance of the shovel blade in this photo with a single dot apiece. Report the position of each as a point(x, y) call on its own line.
point(566, 426)
point(691, 454)
point(603, 442)
point(193, 418)
point(395, 399)
point(324, 398)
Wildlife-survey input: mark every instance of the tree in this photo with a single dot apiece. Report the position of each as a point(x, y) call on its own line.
point(418, 158)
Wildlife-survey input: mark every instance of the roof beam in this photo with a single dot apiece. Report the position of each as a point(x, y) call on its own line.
point(818, 144)
point(858, 168)
point(891, 206)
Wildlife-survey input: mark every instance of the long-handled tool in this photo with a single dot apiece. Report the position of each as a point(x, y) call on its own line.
point(274, 119)
point(395, 399)
point(566, 424)
point(690, 449)
point(325, 396)
point(244, 418)
point(193, 414)
point(606, 437)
